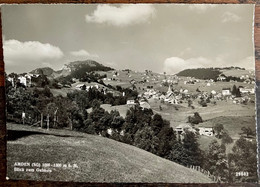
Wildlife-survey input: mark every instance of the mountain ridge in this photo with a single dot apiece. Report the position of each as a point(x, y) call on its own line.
point(72, 67)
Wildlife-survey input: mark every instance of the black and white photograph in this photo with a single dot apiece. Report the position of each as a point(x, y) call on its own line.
point(130, 93)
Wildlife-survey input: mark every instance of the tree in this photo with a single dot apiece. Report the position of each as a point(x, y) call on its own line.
point(234, 90)
point(83, 87)
point(178, 154)
point(191, 149)
point(244, 159)
point(189, 103)
point(157, 123)
point(219, 129)
point(195, 119)
point(203, 103)
point(216, 160)
point(247, 131)
point(226, 139)
point(145, 139)
point(167, 139)
point(117, 120)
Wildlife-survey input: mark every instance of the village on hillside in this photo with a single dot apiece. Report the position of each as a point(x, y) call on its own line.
point(158, 90)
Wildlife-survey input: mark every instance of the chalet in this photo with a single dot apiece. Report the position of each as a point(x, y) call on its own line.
point(110, 131)
point(213, 92)
point(185, 91)
point(242, 77)
point(247, 90)
point(226, 91)
point(174, 101)
point(23, 80)
point(162, 97)
point(206, 131)
point(10, 79)
point(79, 86)
point(130, 102)
point(221, 78)
point(132, 81)
point(182, 127)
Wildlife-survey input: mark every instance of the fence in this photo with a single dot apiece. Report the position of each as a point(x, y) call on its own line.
point(205, 172)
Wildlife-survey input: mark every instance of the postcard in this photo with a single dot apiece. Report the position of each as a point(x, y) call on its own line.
point(130, 93)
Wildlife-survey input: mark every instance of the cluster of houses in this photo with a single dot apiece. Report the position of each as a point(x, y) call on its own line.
point(177, 96)
point(80, 86)
point(172, 97)
point(101, 88)
point(142, 103)
point(25, 79)
point(203, 131)
point(243, 78)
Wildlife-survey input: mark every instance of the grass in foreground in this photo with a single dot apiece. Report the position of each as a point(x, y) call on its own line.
point(99, 159)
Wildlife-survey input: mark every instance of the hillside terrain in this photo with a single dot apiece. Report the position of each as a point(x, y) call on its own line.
point(98, 159)
point(214, 73)
point(72, 68)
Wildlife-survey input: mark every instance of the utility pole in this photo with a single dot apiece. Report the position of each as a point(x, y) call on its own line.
point(55, 117)
point(48, 122)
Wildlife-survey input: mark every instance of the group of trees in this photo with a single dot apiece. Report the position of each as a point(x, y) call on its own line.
point(227, 166)
point(201, 73)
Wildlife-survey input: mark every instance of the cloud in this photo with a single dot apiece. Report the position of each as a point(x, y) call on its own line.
point(175, 64)
point(29, 54)
point(230, 17)
point(201, 8)
point(83, 54)
point(122, 15)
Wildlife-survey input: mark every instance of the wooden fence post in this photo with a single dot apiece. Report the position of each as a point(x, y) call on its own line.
point(41, 120)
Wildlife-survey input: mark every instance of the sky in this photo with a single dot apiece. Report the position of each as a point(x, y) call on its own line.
point(158, 37)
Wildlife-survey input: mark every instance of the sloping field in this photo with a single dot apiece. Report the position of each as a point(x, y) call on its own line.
point(238, 72)
point(98, 159)
point(221, 109)
point(232, 124)
point(122, 109)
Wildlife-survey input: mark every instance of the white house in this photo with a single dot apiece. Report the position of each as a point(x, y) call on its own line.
point(185, 91)
point(162, 97)
point(221, 78)
point(130, 102)
point(226, 91)
point(110, 131)
point(247, 90)
point(23, 80)
point(207, 131)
